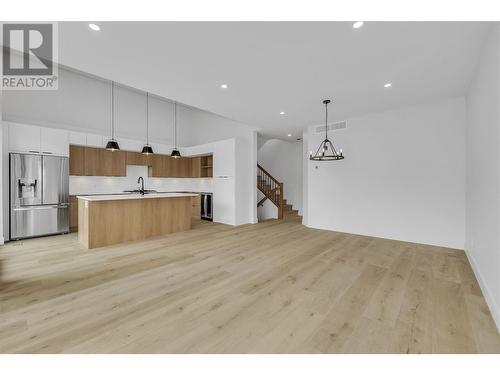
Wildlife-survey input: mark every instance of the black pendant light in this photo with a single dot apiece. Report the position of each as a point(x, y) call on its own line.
point(326, 151)
point(112, 144)
point(175, 152)
point(147, 149)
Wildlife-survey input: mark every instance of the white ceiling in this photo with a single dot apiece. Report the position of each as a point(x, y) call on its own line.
point(281, 66)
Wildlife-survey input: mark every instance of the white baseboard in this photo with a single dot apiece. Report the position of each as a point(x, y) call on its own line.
point(488, 296)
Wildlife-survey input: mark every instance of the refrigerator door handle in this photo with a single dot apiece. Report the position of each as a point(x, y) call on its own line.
point(45, 207)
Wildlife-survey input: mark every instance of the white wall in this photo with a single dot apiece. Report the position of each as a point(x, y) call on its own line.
point(403, 176)
point(284, 161)
point(305, 177)
point(1, 175)
point(483, 173)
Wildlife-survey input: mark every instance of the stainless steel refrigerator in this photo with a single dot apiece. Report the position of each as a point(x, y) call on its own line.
point(39, 195)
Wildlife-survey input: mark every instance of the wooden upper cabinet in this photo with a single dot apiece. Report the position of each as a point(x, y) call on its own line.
point(174, 167)
point(95, 161)
point(138, 158)
point(195, 167)
point(76, 160)
point(135, 158)
point(118, 163)
point(102, 162)
point(186, 167)
point(181, 167)
point(157, 166)
point(92, 162)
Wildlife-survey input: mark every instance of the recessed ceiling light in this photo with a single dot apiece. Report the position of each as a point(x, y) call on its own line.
point(289, 135)
point(387, 85)
point(282, 113)
point(223, 86)
point(94, 27)
point(358, 24)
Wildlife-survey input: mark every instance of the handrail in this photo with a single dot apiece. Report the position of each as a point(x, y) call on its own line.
point(271, 188)
point(267, 173)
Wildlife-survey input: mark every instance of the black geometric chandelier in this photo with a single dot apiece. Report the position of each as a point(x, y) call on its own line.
point(326, 151)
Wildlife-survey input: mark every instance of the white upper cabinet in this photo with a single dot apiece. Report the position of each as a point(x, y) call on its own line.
point(224, 204)
point(36, 139)
point(224, 158)
point(24, 138)
point(54, 141)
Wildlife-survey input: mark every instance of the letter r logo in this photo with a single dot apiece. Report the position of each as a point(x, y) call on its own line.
point(34, 44)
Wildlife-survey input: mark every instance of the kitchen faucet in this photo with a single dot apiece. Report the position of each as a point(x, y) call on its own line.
point(141, 189)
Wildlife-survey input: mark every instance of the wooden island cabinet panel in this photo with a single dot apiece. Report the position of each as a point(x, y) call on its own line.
point(73, 213)
point(196, 207)
point(108, 222)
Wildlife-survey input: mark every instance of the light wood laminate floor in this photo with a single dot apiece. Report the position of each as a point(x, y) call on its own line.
point(274, 287)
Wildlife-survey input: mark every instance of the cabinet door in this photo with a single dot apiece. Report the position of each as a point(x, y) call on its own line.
point(168, 166)
point(195, 167)
point(92, 162)
point(185, 167)
point(224, 205)
point(111, 163)
point(73, 213)
point(156, 169)
point(175, 167)
point(195, 207)
point(54, 141)
point(118, 163)
point(24, 138)
point(134, 158)
point(224, 159)
point(76, 160)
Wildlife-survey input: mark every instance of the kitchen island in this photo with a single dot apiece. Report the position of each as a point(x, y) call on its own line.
point(111, 219)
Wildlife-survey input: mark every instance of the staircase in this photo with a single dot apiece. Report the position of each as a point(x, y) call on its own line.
point(273, 190)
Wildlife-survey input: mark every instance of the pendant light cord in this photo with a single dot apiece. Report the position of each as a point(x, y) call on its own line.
point(147, 118)
point(326, 120)
point(112, 110)
point(175, 125)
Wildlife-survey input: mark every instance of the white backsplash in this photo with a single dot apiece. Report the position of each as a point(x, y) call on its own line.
point(80, 185)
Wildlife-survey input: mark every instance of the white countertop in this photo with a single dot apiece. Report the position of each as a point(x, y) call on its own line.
point(112, 197)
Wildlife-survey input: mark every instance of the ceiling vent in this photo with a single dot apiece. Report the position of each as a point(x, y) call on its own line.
point(335, 126)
